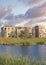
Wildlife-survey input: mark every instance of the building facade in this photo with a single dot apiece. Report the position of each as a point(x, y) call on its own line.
point(36, 31)
point(40, 31)
point(19, 29)
point(6, 31)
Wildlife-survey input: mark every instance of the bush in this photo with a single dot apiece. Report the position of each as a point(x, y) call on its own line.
point(19, 60)
point(25, 43)
point(41, 43)
point(14, 60)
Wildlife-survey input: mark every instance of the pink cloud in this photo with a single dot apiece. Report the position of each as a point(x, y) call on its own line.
point(33, 1)
point(5, 10)
point(1, 6)
point(43, 10)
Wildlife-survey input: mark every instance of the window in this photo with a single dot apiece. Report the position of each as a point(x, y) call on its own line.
point(40, 35)
point(8, 28)
point(8, 33)
point(45, 30)
point(2, 28)
point(12, 28)
point(18, 28)
point(5, 28)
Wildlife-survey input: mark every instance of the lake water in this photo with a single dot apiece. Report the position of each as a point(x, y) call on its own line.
point(33, 51)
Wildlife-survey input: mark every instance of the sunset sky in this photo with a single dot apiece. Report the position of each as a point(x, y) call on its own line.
point(22, 12)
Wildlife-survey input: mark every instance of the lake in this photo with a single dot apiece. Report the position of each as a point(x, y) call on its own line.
point(33, 50)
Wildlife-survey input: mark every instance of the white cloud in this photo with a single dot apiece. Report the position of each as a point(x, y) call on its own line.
point(23, 23)
point(35, 14)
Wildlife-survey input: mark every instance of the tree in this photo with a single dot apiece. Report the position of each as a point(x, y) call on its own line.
point(24, 33)
point(12, 34)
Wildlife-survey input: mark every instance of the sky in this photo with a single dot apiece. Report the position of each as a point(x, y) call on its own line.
point(22, 12)
point(19, 6)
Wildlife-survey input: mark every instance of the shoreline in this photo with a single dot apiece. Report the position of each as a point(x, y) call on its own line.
point(22, 41)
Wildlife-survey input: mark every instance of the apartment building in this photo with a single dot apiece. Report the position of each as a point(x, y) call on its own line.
point(36, 31)
point(19, 29)
point(6, 31)
point(39, 31)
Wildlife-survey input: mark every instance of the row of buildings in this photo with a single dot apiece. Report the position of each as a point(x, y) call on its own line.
point(36, 31)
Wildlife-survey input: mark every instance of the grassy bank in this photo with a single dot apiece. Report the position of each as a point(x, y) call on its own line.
point(19, 60)
point(22, 41)
point(13, 60)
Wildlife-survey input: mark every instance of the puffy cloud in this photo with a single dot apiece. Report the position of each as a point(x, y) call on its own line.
point(5, 11)
point(36, 14)
point(33, 15)
point(36, 11)
point(32, 1)
point(29, 2)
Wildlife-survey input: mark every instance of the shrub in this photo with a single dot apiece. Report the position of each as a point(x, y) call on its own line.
point(25, 43)
point(41, 43)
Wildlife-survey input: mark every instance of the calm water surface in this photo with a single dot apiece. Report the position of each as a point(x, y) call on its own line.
point(33, 51)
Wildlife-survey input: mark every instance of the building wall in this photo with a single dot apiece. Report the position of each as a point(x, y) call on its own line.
point(19, 29)
point(36, 31)
point(6, 30)
point(40, 31)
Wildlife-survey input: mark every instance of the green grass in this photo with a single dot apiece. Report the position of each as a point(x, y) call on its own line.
point(14, 60)
point(19, 60)
point(22, 41)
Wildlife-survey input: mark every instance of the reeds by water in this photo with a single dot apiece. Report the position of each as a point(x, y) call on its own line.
point(19, 60)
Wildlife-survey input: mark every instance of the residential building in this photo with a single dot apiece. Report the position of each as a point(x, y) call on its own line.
point(11, 31)
point(7, 30)
point(40, 31)
point(19, 29)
